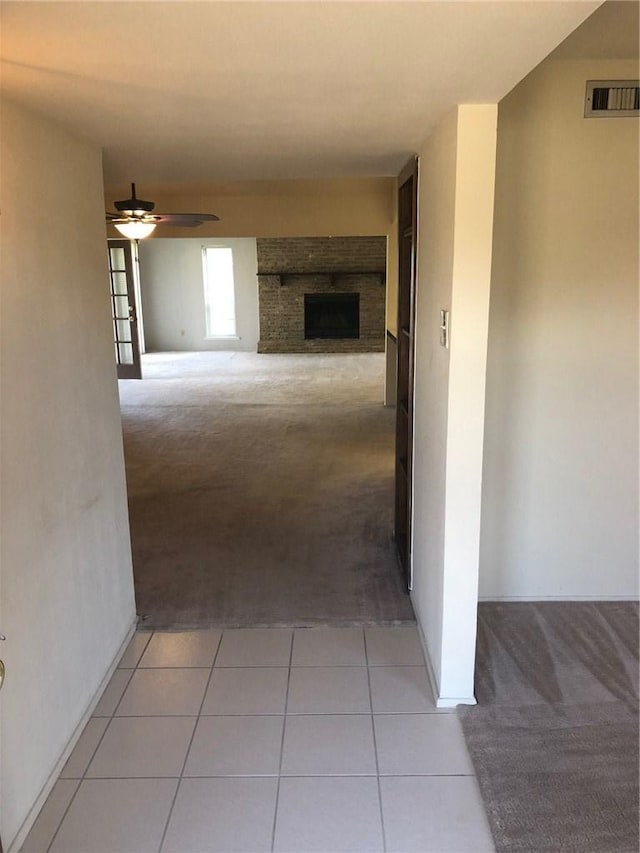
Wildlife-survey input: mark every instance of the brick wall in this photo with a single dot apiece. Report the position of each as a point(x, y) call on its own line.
point(290, 267)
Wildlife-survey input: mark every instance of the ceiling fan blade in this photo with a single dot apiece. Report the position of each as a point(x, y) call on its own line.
point(186, 220)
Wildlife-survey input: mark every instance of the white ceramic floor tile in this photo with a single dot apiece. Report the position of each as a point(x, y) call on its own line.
point(44, 828)
point(255, 647)
point(247, 690)
point(134, 650)
point(328, 647)
point(185, 648)
point(143, 746)
point(161, 692)
point(112, 694)
point(400, 688)
point(429, 744)
point(236, 746)
point(340, 815)
point(434, 815)
point(393, 646)
point(329, 745)
point(224, 815)
point(329, 690)
point(84, 748)
point(123, 815)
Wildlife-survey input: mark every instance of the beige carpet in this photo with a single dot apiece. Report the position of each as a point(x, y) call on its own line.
point(554, 737)
point(261, 490)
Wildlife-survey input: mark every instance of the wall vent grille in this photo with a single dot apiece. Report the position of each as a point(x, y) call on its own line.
point(612, 98)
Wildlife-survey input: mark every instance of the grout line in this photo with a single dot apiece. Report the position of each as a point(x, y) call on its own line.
point(375, 745)
point(436, 713)
point(53, 837)
point(131, 672)
point(93, 754)
point(284, 727)
point(148, 668)
point(193, 734)
point(429, 713)
point(144, 648)
point(315, 775)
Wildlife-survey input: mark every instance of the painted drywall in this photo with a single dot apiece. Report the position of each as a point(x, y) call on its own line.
point(66, 597)
point(455, 216)
point(436, 212)
point(172, 290)
point(309, 208)
point(560, 492)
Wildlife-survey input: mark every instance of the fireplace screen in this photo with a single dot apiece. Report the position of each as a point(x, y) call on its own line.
point(331, 315)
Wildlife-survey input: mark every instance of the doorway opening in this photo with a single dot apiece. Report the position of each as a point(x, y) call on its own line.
point(260, 485)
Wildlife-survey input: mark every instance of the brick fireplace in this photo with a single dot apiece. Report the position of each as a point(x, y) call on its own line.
point(322, 294)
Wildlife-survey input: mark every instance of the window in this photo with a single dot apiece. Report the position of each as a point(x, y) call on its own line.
point(219, 293)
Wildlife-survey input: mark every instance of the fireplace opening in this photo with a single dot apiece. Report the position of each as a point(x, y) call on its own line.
point(331, 315)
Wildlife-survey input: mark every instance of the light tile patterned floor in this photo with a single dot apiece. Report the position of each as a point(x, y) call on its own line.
point(313, 739)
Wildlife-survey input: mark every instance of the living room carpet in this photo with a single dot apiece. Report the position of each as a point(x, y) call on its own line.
point(554, 737)
point(261, 491)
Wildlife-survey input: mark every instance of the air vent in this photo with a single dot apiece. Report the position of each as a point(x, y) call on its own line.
point(612, 98)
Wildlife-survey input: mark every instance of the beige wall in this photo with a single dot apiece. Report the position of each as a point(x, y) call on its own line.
point(311, 208)
point(66, 601)
point(455, 217)
point(173, 294)
point(436, 221)
point(560, 494)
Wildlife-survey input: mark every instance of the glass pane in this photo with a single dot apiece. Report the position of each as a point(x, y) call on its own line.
point(117, 357)
point(123, 330)
point(116, 258)
point(126, 353)
point(121, 306)
point(119, 282)
point(219, 293)
point(223, 327)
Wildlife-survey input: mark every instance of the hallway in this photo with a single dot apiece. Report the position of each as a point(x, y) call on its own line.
point(318, 739)
point(261, 491)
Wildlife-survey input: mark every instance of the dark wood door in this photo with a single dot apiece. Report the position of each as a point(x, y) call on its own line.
point(122, 256)
point(407, 221)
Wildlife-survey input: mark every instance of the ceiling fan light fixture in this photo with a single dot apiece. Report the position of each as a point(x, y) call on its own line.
point(135, 219)
point(135, 230)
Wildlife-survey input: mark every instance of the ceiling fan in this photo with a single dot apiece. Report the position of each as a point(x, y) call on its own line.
point(136, 220)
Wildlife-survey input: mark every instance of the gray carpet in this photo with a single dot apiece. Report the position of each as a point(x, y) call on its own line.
point(261, 491)
point(554, 738)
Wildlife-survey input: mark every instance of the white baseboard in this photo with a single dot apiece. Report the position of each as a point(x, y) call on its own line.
point(498, 598)
point(454, 701)
point(30, 819)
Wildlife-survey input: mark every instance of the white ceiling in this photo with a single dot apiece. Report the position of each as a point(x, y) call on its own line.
point(210, 91)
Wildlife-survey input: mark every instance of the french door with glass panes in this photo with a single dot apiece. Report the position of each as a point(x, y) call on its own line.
point(122, 260)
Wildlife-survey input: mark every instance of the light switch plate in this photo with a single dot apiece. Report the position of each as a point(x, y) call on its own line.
point(444, 328)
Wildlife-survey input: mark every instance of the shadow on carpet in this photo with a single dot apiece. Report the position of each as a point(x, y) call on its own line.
point(554, 737)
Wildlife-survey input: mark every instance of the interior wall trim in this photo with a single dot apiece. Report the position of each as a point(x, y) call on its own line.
point(506, 598)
